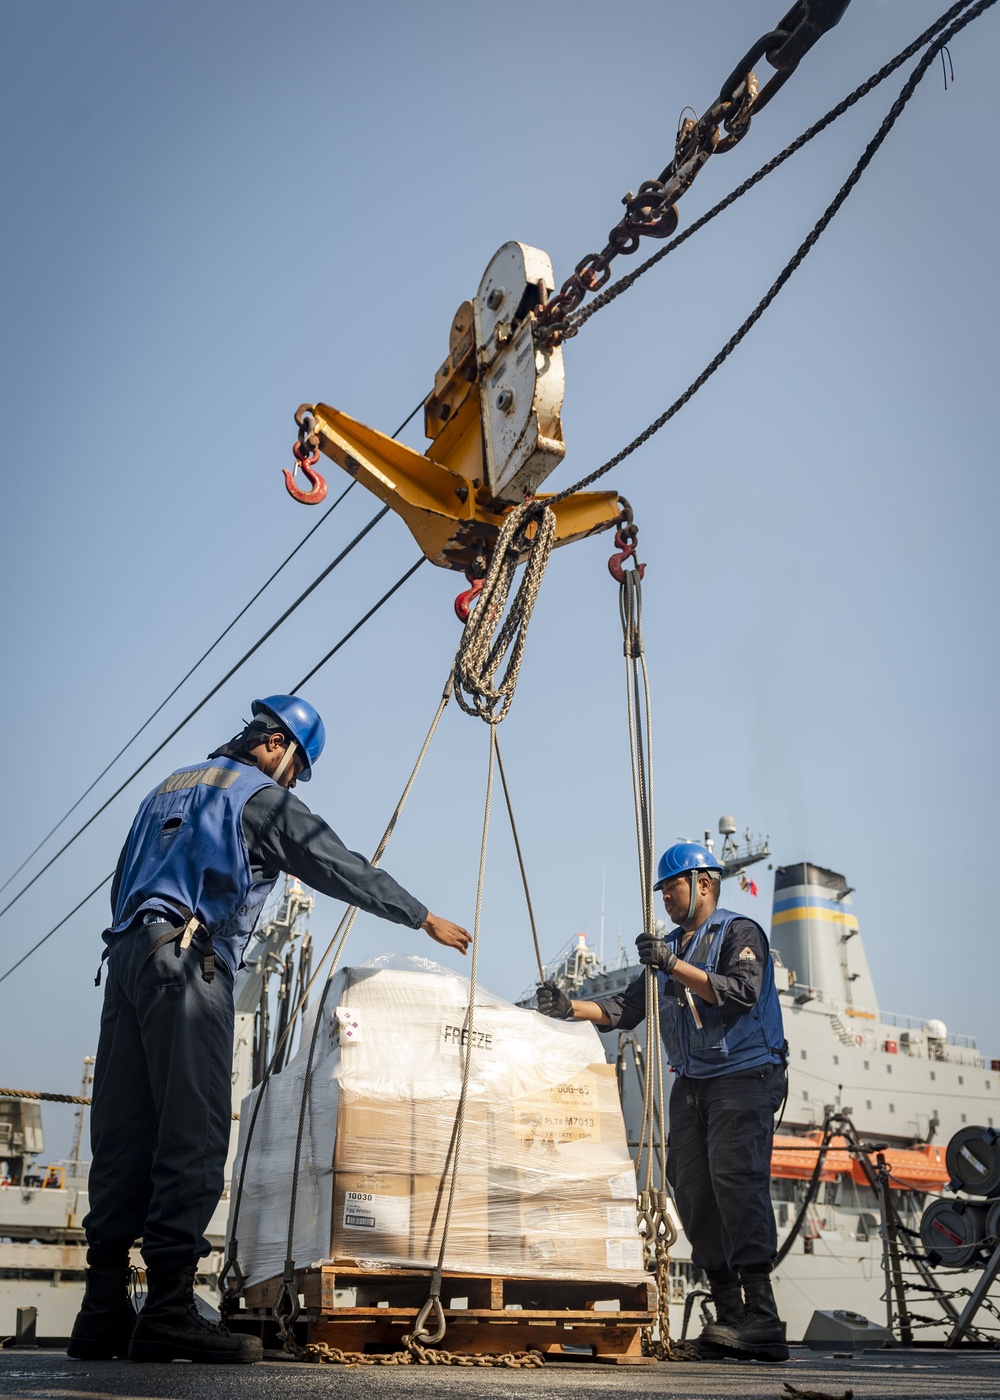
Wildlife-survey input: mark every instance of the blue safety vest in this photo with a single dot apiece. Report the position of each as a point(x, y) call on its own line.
point(757, 1038)
point(187, 854)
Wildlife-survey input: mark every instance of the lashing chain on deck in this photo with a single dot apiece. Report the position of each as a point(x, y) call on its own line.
point(417, 1355)
point(661, 1346)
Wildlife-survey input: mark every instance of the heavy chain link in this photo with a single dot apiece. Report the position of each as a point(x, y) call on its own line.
point(651, 212)
point(800, 254)
point(416, 1355)
point(662, 1347)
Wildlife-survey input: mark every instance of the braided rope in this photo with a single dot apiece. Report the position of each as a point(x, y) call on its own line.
point(486, 640)
point(43, 1098)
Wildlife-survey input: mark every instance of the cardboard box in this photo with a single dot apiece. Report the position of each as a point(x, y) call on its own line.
point(468, 1242)
point(372, 1216)
point(373, 1134)
point(580, 1238)
point(432, 1136)
point(549, 1232)
point(584, 1109)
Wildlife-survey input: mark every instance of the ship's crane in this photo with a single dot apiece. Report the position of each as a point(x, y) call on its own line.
point(493, 416)
point(494, 424)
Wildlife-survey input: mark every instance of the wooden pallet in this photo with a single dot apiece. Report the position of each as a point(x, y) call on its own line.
point(359, 1309)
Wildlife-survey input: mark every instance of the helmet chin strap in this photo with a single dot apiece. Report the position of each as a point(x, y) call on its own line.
point(694, 898)
point(286, 759)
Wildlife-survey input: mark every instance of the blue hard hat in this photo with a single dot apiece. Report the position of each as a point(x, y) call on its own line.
point(302, 722)
point(685, 856)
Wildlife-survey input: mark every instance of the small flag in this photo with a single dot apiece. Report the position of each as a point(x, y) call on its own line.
point(749, 885)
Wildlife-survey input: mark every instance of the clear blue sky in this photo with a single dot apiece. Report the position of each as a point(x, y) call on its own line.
point(215, 211)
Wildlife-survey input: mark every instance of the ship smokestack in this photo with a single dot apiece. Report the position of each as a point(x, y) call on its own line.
point(815, 932)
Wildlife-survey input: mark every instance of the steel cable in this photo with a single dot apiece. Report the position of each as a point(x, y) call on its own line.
point(577, 319)
point(379, 515)
point(433, 1304)
point(651, 1204)
point(794, 262)
point(55, 929)
point(521, 866)
point(338, 941)
point(186, 677)
point(385, 597)
point(204, 656)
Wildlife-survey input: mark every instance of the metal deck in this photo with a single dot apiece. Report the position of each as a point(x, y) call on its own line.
point(910, 1375)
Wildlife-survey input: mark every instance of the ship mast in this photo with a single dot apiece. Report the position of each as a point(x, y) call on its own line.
point(80, 1115)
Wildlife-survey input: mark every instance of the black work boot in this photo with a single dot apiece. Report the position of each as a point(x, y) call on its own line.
point(170, 1327)
point(106, 1320)
point(761, 1334)
point(727, 1301)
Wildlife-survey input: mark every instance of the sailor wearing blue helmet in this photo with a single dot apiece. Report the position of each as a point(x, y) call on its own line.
point(720, 1021)
point(203, 854)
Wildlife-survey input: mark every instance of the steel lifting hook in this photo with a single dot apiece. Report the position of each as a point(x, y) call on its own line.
point(625, 537)
point(465, 600)
point(306, 457)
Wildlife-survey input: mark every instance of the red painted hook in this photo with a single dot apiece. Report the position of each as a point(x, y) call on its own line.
point(625, 538)
point(465, 600)
point(305, 457)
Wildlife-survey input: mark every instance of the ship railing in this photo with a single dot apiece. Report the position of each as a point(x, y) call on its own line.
point(916, 1023)
point(900, 1022)
point(965, 1045)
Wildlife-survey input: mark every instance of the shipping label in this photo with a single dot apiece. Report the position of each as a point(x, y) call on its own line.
point(383, 1215)
point(625, 1253)
point(623, 1187)
point(621, 1218)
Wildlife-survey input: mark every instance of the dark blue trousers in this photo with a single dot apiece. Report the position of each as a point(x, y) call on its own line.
point(162, 1102)
point(719, 1166)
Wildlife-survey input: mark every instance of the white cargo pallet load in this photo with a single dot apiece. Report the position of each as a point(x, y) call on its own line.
point(545, 1185)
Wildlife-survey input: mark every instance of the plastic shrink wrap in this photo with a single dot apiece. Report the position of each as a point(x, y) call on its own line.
point(545, 1185)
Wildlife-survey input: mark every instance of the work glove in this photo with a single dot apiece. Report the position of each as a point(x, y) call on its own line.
point(553, 1001)
point(654, 952)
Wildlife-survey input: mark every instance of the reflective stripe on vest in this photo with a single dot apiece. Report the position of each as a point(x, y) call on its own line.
point(186, 849)
point(757, 1038)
